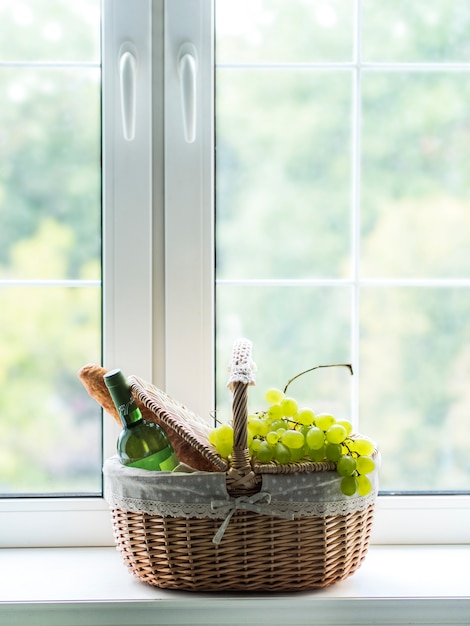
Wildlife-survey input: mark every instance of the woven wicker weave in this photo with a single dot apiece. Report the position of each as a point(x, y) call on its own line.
point(258, 551)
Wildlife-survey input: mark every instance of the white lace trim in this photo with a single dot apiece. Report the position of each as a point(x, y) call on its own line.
point(290, 510)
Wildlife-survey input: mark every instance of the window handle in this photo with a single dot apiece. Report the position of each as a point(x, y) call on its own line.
point(187, 72)
point(128, 87)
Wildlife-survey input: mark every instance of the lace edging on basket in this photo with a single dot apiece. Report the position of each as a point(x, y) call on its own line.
point(276, 509)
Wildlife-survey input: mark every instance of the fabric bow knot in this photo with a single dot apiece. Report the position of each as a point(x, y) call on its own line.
point(258, 503)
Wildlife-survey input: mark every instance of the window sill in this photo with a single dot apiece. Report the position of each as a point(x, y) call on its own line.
point(395, 585)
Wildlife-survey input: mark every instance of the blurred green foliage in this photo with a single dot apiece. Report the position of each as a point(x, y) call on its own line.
point(50, 217)
point(286, 205)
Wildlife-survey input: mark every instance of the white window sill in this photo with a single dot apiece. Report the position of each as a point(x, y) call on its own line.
point(395, 585)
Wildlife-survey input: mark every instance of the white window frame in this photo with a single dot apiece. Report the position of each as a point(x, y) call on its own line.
point(158, 195)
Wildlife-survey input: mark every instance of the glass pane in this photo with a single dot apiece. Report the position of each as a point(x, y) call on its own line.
point(55, 31)
point(414, 391)
point(293, 329)
point(416, 30)
point(50, 246)
point(50, 430)
point(283, 168)
point(50, 125)
point(270, 31)
point(415, 188)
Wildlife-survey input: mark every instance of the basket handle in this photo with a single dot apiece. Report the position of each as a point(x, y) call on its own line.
point(241, 479)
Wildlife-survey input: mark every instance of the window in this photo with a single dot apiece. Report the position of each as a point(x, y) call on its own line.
point(342, 132)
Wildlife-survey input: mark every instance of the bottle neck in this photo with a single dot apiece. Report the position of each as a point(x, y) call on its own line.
point(124, 401)
point(129, 412)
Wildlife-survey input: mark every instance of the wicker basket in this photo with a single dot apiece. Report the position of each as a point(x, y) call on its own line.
point(242, 532)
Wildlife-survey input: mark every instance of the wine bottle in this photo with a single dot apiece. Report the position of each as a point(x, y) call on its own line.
point(140, 444)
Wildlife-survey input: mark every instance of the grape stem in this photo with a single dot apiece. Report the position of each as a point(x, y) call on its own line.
point(348, 365)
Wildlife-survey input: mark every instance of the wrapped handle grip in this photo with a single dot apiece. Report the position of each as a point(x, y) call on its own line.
point(242, 367)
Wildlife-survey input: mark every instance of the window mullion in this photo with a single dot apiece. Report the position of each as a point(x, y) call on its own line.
point(127, 194)
point(189, 212)
point(356, 211)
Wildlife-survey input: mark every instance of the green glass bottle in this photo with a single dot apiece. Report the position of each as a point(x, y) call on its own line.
point(141, 444)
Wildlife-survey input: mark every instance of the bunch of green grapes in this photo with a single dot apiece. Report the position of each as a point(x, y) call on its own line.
point(285, 433)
